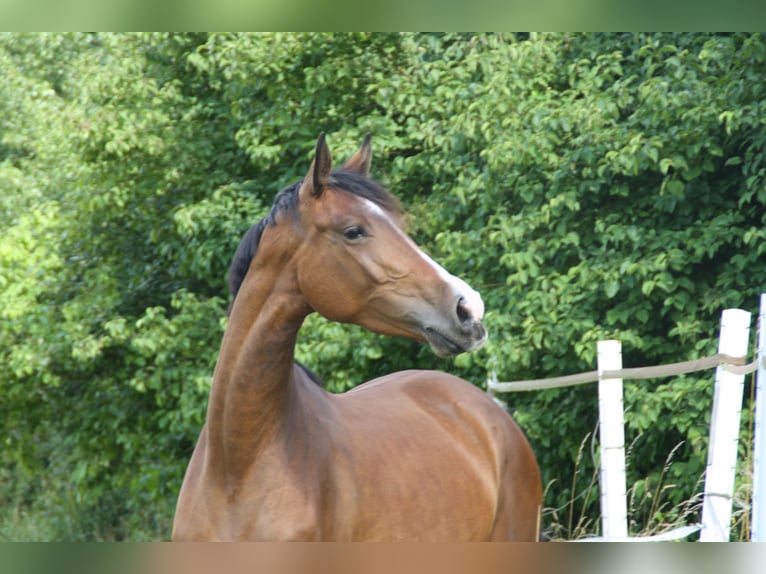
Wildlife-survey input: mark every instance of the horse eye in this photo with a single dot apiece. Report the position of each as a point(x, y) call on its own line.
point(354, 233)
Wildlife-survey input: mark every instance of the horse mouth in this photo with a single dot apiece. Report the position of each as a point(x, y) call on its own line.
point(444, 346)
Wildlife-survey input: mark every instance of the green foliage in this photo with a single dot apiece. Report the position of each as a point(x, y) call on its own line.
point(591, 186)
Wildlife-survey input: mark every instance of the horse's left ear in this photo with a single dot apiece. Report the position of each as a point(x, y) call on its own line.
point(319, 172)
point(360, 161)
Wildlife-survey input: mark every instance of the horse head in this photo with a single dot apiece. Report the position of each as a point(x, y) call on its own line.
point(357, 265)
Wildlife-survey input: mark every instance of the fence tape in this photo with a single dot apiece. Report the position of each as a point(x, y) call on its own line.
point(734, 365)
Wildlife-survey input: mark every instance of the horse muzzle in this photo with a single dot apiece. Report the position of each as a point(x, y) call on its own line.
point(462, 330)
point(449, 345)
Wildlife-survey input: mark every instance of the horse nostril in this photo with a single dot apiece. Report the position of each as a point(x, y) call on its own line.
point(463, 315)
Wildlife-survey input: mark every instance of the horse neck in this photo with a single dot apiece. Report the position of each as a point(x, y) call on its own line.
point(252, 383)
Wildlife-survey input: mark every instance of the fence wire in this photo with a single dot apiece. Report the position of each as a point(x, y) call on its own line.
point(734, 365)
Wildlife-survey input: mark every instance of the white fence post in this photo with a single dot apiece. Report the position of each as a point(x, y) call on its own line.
point(614, 518)
point(758, 524)
point(724, 430)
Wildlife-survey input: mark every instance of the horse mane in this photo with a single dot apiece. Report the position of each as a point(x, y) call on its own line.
point(287, 201)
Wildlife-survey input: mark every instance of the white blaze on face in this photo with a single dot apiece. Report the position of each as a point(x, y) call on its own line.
point(472, 302)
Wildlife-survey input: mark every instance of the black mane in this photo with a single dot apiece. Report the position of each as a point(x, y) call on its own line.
point(287, 201)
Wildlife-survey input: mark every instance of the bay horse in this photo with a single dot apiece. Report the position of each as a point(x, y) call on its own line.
point(414, 455)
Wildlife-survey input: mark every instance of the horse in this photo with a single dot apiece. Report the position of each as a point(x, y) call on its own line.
point(412, 456)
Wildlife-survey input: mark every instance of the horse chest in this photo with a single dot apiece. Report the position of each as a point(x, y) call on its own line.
point(285, 496)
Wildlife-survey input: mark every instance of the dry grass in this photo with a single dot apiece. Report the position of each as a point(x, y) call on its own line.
point(650, 508)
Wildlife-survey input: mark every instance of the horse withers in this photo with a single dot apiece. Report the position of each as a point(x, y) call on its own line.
point(414, 455)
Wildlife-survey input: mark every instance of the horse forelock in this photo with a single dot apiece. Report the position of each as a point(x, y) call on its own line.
point(287, 201)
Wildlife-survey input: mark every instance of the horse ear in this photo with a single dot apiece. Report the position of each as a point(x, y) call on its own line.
point(319, 172)
point(360, 161)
